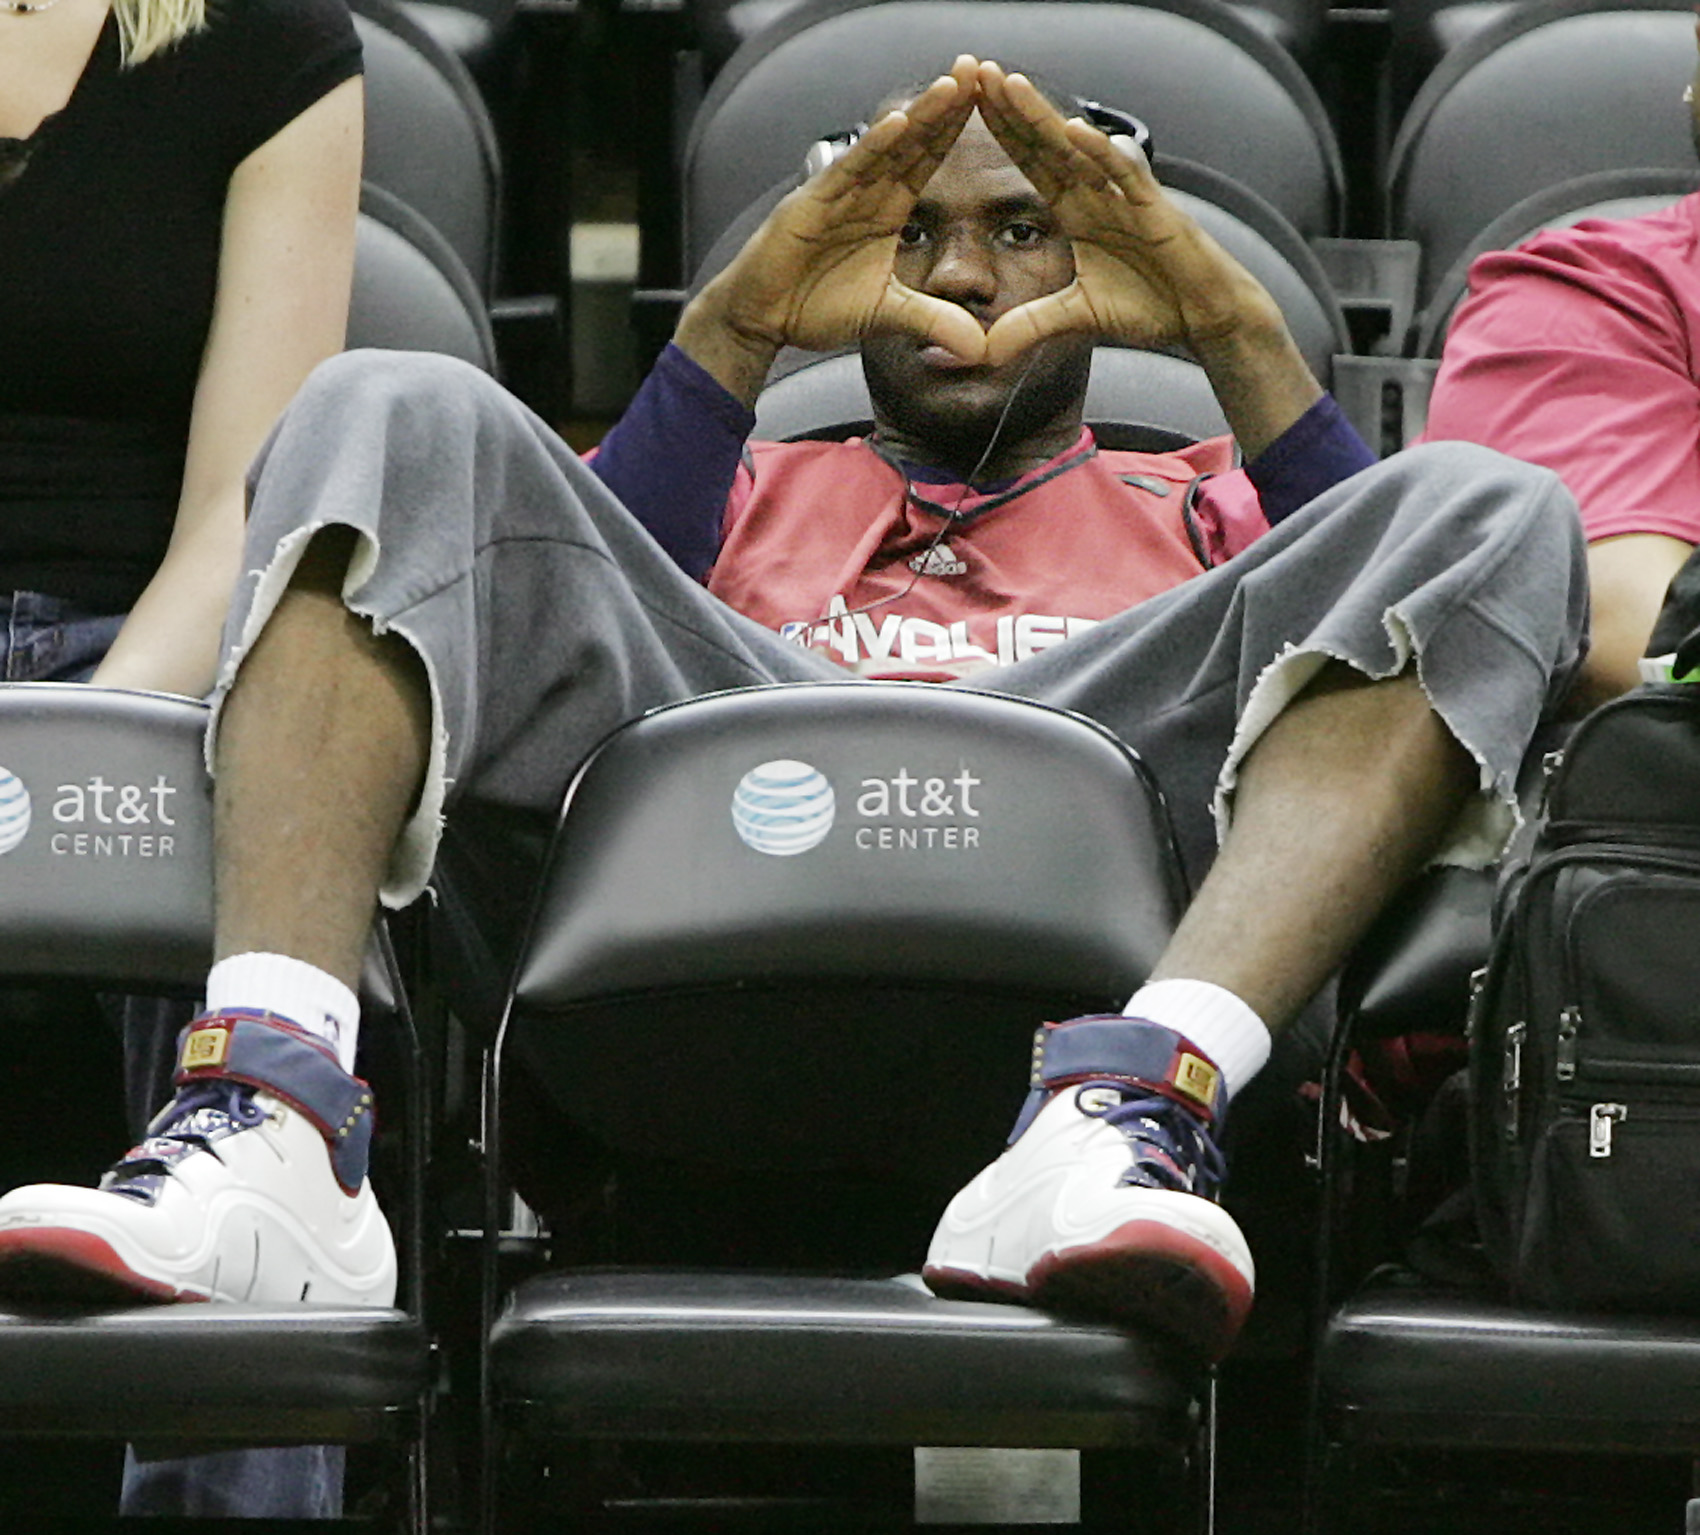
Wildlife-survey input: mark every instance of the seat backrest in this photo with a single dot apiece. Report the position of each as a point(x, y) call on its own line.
point(721, 27)
point(411, 291)
point(825, 65)
point(1423, 32)
point(1298, 26)
point(1263, 240)
point(473, 31)
point(930, 834)
point(1144, 400)
point(429, 138)
point(1553, 90)
point(1622, 194)
point(105, 835)
point(833, 846)
point(106, 841)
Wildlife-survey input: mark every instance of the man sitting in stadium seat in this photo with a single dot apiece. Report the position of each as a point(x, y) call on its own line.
point(1580, 350)
point(446, 610)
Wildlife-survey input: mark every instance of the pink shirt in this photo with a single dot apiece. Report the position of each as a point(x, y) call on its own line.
point(1580, 350)
point(886, 581)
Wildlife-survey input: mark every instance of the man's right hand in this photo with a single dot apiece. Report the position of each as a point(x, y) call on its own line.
point(818, 272)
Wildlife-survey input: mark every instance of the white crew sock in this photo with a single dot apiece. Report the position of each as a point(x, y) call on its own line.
point(1214, 1019)
point(293, 989)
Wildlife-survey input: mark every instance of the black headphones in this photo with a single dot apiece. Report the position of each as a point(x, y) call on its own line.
point(1123, 129)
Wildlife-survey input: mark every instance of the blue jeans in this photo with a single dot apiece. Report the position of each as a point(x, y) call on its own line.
point(47, 639)
point(303, 1481)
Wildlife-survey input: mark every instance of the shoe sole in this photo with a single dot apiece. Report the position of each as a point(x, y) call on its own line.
point(1142, 1274)
point(57, 1264)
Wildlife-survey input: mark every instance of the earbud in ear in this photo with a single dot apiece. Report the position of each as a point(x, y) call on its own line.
point(824, 151)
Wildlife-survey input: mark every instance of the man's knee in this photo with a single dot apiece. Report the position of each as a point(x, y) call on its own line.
point(410, 412)
point(1475, 496)
point(372, 376)
point(1442, 473)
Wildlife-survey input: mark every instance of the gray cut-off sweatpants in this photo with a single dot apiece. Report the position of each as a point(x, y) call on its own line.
point(545, 616)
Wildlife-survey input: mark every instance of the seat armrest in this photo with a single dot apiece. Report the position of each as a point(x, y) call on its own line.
point(1376, 283)
point(1385, 398)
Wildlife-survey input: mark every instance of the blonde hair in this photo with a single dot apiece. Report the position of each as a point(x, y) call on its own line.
point(146, 26)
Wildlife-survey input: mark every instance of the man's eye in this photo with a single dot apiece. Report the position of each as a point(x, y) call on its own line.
point(911, 235)
point(1022, 234)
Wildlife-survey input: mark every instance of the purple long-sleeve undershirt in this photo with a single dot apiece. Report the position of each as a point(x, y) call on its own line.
point(673, 456)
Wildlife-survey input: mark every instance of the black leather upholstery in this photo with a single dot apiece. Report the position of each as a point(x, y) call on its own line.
point(106, 836)
point(106, 806)
point(110, 877)
point(1425, 1367)
point(1411, 972)
point(777, 1358)
point(274, 1375)
point(1056, 877)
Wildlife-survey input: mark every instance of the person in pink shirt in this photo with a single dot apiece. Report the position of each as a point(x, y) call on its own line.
point(1580, 351)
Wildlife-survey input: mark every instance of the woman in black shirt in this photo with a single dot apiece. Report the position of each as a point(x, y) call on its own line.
point(179, 181)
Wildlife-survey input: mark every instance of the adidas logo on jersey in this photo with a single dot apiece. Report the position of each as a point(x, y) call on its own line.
point(939, 560)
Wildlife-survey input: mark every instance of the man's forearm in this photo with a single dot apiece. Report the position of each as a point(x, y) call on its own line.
point(1262, 383)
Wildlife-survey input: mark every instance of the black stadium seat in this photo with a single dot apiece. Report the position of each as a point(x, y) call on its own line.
point(720, 27)
point(825, 65)
point(779, 1036)
point(1417, 1377)
point(1423, 32)
point(411, 291)
point(474, 31)
point(429, 138)
point(1432, 1389)
point(1148, 401)
point(1552, 91)
point(109, 880)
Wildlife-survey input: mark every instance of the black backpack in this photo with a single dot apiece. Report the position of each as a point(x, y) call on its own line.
point(1585, 1025)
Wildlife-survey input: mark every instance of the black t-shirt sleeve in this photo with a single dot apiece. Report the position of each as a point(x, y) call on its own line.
point(280, 56)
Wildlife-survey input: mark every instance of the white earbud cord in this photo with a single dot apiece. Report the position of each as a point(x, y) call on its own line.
point(918, 562)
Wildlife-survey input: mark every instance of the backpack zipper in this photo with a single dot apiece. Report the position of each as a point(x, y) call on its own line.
point(1601, 1118)
point(1511, 1078)
point(1569, 1025)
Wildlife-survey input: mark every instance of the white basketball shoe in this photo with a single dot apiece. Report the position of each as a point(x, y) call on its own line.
point(1104, 1203)
point(251, 1186)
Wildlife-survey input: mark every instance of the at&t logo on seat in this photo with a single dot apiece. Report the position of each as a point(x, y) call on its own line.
point(783, 807)
point(14, 810)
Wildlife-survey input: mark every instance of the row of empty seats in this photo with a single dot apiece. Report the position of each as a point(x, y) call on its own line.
point(1546, 112)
